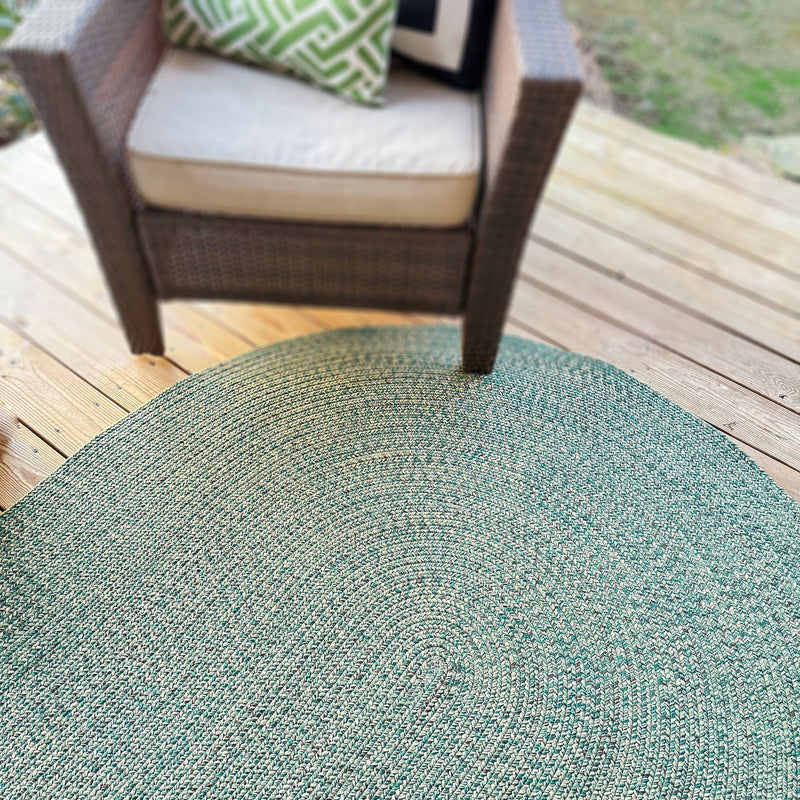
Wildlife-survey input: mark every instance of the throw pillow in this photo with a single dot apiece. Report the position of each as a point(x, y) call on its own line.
point(447, 39)
point(341, 45)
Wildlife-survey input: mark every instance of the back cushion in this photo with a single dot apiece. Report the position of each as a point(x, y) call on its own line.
point(341, 45)
point(447, 39)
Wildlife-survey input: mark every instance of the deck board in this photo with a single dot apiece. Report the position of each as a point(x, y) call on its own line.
point(27, 459)
point(708, 345)
point(627, 222)
point(80, 339)
point(645, 170)
point(636, 266)
point(725, 225)
point(689, 157)
point(59, 406)
point(733, 409)
point(678, 265)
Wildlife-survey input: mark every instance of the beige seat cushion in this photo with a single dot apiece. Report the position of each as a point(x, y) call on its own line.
point(215, 136)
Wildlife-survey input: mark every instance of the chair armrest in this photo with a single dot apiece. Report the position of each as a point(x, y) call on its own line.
point(532, 83)
point(531, 86)
point(86, 64)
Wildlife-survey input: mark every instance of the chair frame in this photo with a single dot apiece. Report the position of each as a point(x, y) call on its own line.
point(86, 65)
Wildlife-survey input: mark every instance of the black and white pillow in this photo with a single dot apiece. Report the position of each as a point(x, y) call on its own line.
point(447, 39)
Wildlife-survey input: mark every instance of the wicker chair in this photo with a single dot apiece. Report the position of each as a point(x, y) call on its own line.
point(87, 63)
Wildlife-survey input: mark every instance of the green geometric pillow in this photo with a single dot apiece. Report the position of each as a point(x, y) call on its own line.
point(341, 45)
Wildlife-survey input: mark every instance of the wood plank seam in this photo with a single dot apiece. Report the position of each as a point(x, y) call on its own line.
point(38, 435)
point(723, 243)
point(12, 188)
point(225, 326)
point(23, 334)
point(666, 155)
point(90, 346)
point(658, 296)
point(539, 285)
point(631, 238)
point(730, 433)
point(26, 263)
point(25, 459)
point(705, 344)
point(623, 216)
point(631, 166)
point(704, 393)
point(529, 330)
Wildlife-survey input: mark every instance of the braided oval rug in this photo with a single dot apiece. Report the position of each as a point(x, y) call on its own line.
point(338, 568)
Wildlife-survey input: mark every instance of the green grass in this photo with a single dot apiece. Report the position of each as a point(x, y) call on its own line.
point(16, 112)
point(710, 71)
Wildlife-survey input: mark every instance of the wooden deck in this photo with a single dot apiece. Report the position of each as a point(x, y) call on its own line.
point(677, 265)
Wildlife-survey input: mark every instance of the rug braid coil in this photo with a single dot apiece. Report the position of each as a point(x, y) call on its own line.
point(339, 568)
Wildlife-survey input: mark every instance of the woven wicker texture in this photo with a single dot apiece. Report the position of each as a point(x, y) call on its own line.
point(339, 568)
point(346, 265)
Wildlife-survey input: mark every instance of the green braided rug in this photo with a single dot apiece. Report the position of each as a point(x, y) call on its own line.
point(338, 568)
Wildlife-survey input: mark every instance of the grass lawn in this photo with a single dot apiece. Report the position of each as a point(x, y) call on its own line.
point(16, 114)
point(710, 71)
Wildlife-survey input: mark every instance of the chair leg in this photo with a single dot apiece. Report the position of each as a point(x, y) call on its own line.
point(135, 303)
point(142, 328)
point(480, 339)
point(131, 289)
point(144, 335)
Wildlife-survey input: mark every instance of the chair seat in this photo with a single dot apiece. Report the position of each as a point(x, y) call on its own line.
point(215, 136)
